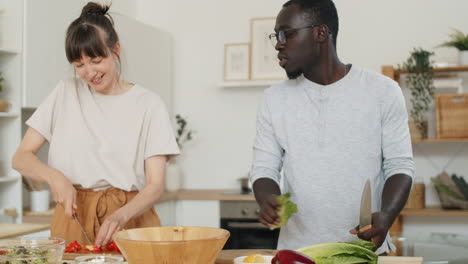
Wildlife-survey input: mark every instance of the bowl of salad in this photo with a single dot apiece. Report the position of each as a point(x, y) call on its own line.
point(40, 250)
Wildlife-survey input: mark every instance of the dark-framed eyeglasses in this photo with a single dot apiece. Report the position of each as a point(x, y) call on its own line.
point(283, 35)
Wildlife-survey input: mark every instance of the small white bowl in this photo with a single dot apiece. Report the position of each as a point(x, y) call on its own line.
point(240, 260)
point(103, 259)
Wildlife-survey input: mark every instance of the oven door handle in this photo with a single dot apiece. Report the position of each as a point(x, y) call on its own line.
point(246, 225)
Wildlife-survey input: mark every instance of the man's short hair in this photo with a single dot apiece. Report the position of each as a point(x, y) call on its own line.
point(319, 12)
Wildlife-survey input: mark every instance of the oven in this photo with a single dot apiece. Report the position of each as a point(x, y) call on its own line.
point(240, 219)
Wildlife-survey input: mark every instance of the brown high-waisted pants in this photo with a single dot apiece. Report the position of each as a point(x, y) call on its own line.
point(93, 208)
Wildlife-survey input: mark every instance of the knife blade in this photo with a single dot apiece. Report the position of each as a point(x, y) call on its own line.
point(365, 215)
point(82, 229)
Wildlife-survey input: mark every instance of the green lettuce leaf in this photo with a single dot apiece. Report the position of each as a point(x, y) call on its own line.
point(340, 253)
point(287, 208)
point(362, 243)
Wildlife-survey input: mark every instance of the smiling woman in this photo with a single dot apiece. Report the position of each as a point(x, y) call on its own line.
point(109, 139)
point(92, 46)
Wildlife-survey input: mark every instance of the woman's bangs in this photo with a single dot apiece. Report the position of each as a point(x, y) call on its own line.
point(86, 41)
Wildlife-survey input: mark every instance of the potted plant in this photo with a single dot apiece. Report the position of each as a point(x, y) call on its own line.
point(420, 82)
point(173, 170)
point(458, 40)
point(183, 133)
point(3, 102)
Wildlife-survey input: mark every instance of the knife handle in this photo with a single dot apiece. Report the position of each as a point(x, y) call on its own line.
point(364, 229)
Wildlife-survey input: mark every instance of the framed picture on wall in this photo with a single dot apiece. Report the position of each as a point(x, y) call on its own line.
point(236, 61)
point(264, 62)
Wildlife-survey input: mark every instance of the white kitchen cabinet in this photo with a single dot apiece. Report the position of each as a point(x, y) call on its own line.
point(198, 213)
point(166, 213)
point(189, 213)
point(11, 59)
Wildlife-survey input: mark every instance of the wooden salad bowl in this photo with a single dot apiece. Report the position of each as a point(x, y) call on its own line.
point(171, 244)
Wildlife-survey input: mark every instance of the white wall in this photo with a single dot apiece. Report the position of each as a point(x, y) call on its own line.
point(372, 33)
point(223, 118)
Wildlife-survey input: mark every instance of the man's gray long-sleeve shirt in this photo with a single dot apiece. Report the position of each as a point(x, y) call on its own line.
point(329, 140)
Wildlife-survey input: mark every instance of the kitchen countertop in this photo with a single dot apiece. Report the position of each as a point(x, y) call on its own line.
point(227, 257)
point(15, 230)
point(208, 194)
point(198, 194)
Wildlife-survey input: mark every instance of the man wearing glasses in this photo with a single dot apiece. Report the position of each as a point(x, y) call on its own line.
point(329, 128)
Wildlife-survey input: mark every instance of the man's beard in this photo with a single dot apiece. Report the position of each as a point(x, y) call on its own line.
point(293, 74)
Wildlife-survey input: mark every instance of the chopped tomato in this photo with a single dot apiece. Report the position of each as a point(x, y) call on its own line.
point(112, 247)
point(73, 247)
point(93, 248)
point(3, 252)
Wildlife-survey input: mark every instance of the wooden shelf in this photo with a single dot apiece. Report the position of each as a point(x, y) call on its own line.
point(9, 178)
point(238, 84)
point(434, 140)
point(439, 69)
point(434, 211)
point(9, 51)
point(394, 73)
point(9, 114)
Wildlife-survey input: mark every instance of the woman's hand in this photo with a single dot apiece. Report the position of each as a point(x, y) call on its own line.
point(111, 224)
point(154, 171)
point(63, 193)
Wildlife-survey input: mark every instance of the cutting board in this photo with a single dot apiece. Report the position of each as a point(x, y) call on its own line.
point(227, 256)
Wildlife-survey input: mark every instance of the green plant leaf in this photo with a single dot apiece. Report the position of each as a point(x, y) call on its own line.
point(420, 82)
point(445, 189)
point(458, 40)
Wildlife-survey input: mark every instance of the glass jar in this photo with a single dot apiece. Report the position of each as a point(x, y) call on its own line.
point(417, 197)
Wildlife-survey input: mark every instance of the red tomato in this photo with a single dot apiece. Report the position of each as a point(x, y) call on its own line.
point(73, 247)
point(112, 247)
point(70, 250)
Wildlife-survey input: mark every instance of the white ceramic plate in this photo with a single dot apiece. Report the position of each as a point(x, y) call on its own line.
point(239, 260)
point(98, 259)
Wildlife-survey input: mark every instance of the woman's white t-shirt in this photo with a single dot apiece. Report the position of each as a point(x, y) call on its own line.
point(99, 140)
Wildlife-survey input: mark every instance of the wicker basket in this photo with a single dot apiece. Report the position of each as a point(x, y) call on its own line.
point(452, 115)
point(448, 202)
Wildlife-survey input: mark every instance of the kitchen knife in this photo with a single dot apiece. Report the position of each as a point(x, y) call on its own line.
point(365, 217)
point(82, 229)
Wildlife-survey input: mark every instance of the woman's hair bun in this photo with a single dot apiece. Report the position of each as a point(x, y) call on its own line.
point(95, 9)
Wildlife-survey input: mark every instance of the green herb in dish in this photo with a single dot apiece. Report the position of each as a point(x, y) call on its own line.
point(29, 255)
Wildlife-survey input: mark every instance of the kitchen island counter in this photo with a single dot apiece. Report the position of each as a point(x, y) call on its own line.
point(227, 256)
